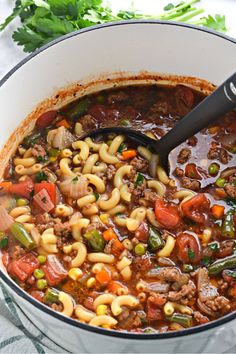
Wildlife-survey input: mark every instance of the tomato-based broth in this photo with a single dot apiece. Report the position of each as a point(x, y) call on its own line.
point(96, 229)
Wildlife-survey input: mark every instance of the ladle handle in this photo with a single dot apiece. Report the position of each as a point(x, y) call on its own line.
point(221, 101)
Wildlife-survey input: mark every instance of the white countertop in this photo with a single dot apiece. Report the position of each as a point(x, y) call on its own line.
point(11, 54)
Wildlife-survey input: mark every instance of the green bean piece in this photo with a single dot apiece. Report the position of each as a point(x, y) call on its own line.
point(139, 180)
point(95, 240)
point(187, 268)
point(51, 296)
point(220, 182)
point(122, 147)
point(100, 98)
point(3, 240)
point(222, 264)
point(31, 139)
point(228, 229)
point(155, 241)
point(213, 169)
point(233, 150)
point(41, 284)
point(53, 152)
point(96, 195)
point(19, 232)
point(79, 109)
point(139, 249)
point(183, 320)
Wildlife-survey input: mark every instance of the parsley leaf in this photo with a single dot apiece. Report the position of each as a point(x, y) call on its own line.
point(206, 260)
point(191, 254)
point(216, 23)
point(44, 20)
point(169, 7)
point(41, 176)
point(28, 38)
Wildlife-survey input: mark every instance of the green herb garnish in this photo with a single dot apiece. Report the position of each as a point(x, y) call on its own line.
point(206, 260)
point(44, 20)
point(75, 179)
point(41, 176)
point(139, 180)
point(191, 254)
point(122, 147)
point(214, 246)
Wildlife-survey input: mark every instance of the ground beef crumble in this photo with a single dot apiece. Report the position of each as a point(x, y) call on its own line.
point(184, 155)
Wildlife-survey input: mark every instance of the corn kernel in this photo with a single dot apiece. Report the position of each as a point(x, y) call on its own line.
point(101, 310)
point(22, 202)
point(75, 273)
point(206, 236)
point(91, 282)
point(78, 128)
point(104, 218)
point(67, 249)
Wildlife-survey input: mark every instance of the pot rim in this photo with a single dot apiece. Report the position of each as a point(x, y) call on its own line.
point(20, 292)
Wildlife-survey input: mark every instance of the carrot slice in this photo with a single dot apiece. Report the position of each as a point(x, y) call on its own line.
point(63, 123)
point(5, 186)
point(128, 154)
point(109, 234)
point(103, 277)
point(221, 193)
point(117, 247)
point(218, 211)
point(113, 286)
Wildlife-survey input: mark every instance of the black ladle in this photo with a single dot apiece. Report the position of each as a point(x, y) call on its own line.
point(221, 101)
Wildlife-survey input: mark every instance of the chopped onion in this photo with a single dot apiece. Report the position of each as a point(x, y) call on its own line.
point(5, 219)
point(7, 202)
point(228, 172)
point(74, 187)
point(60, 138)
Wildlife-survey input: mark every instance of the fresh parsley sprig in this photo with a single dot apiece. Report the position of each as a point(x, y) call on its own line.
point(44, 20)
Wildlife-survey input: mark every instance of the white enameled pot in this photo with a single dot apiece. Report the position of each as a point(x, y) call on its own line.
point(95, 58)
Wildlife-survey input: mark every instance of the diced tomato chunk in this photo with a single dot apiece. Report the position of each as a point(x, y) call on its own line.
point(185, 94)
point(50, 188)
point(23, 189)
point(38, 295)
point(54, 270)
point(166, 214)
point(191, 171)
point(45, 119)
point(153, 308)
point(188, 248)
point(23, 267)
point(197, 208)
point(142, 232)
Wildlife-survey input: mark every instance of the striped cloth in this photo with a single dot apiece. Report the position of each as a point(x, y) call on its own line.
point(17, 332)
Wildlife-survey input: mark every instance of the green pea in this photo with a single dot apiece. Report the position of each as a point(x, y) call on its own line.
point(233, 150)
point(213, 169)
point(41, 284)
point(42, 259)
point(125, 122)
point(139, 249)
point(38, 273)
point(220, 182)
